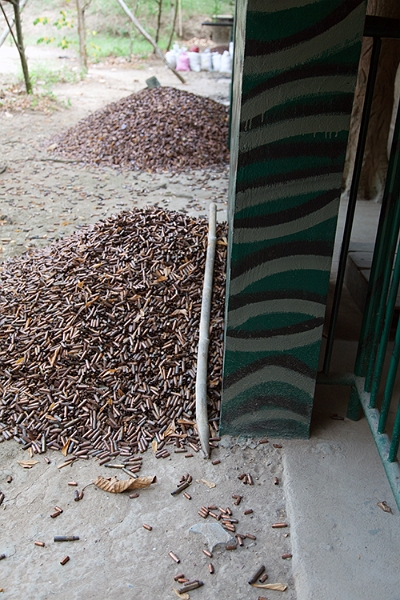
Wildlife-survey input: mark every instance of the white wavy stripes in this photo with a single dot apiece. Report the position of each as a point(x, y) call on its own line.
point(241, 315)
point(279, 265)
point(265, 415)
point(251, 197)
point(266, 375)
point(258, 234)
point(330, 124)
point(295, 90)
point(271, 6)
point(330, 42)
point(276, 343)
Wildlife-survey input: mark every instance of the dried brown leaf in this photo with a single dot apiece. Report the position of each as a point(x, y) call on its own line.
point(114, 486)
point(180, 311)
point(385, 507)
point(154, 445)
point(209, 484)
point(50, 417)
point(64, 449)
point(185, 422)
point(170, 429)
point(27, 464)
point(278, 587)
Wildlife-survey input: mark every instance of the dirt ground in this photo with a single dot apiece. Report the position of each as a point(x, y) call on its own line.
point(43, 198)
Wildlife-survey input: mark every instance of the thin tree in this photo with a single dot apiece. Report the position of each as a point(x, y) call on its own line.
point(148, 38)
point(81, 7)
point(19, 41)
point(171, 37)
point(159, 13)
point(6, 31)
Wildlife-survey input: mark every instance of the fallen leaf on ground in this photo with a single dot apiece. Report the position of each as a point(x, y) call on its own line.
point(154, 446)
point(64, 449)
point(384, 506)
point(115, 486)
point(278, 587)
point(27, 464)
point(184, 596)
point(170, 429)
point(209, 484)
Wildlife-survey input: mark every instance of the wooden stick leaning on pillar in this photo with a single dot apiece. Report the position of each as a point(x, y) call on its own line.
point(204, 337)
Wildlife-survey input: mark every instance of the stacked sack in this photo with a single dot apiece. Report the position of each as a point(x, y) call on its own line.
point(183, 60)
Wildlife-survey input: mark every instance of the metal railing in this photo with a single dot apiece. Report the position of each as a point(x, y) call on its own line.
point(382, 289)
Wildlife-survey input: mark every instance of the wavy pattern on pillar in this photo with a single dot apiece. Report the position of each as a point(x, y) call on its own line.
point(299, 67)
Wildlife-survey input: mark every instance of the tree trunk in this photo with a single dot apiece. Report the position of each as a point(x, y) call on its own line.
point(173, 25)
point(180, 29)
point(159, 2)
point(373, 174)
point(6, 31)
point(148, 38)
point(20, 46)
point(80, 8)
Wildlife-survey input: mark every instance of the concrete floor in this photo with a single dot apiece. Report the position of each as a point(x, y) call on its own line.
point(344, 546)
point(115, 556)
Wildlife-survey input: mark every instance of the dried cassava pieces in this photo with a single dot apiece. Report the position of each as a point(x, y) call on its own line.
point(99, 334)
point(156, 129)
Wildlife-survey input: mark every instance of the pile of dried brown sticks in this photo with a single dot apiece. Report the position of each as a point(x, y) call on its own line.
point(98, 338)
point(160, 129)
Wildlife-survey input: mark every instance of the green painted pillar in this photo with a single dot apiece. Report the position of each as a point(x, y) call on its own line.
point(295, 72)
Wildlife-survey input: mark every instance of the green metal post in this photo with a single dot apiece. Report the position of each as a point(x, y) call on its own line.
point(385, 335)
point(389, 223)
point(392, 190)
point(394, 446)
point(387, 397)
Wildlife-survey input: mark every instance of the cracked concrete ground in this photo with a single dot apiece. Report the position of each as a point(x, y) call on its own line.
point(115, 556)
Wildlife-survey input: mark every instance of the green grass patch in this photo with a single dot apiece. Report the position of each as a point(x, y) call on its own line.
point(109, 30)
point(41, 75)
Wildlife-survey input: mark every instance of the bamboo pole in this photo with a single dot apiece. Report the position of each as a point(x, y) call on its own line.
point(204, 340)
point(148, 38)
